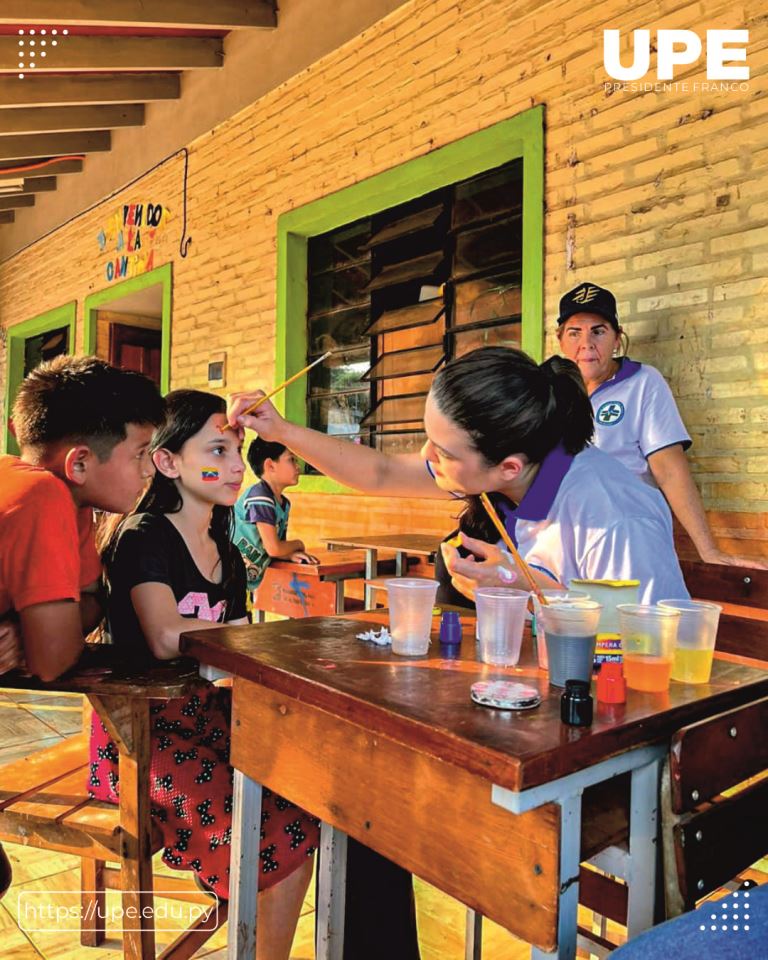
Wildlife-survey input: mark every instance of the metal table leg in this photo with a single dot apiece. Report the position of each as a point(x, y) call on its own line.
point(244, 868)
point(473, 936)
point(371, 572)
point(331, 893)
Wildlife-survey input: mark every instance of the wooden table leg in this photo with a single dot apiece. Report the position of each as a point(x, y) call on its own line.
point(127, 721)
point(244, 868)
point(331, 893)
point(401, 563)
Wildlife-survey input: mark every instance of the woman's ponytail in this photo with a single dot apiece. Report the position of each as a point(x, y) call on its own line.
point(571, 410)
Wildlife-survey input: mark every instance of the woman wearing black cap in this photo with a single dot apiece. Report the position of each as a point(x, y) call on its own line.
point(636, 417)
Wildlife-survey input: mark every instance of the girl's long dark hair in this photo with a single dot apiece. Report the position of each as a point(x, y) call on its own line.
point(508, 404)
point(187, 412)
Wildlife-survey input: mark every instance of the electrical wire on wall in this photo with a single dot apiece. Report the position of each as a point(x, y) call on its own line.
point(185, 239)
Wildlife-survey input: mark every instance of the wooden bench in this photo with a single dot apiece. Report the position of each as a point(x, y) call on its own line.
point(744, 586)
point(742, 592)
point(44, 801)
point(714, 803)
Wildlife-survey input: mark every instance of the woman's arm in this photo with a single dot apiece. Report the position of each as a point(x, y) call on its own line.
point(672, 473)
point(160, 621)
point(352, 464)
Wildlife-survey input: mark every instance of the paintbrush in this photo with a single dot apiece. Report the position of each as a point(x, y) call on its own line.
point(281, 386)
point(512, 548)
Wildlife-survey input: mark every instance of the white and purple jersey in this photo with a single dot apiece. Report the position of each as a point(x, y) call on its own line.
point(587, 517)
point(636, 416)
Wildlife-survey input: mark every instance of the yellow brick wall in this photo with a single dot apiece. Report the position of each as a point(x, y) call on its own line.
point(662, 196)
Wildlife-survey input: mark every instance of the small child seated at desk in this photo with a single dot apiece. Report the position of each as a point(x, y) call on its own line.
point(261, 513)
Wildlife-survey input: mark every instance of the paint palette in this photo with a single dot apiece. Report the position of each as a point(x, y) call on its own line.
point(505, 695)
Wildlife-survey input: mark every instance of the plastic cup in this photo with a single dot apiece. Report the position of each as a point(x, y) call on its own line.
point(500, 622)
point(696, 635)
point(540, 630)
point(571, 631)
point(410, 600)
point(610, 593)
point(648, 635)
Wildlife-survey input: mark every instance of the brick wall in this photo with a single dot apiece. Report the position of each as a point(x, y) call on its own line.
point(662, 196)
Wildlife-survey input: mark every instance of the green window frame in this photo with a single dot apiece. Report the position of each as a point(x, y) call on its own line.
point(63, 316)
point(519, 137)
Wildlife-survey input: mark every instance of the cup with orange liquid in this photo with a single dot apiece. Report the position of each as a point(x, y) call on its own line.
point(648, 636)
point(696, 635)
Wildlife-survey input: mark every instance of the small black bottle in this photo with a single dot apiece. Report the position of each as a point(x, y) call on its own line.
point(576, 704)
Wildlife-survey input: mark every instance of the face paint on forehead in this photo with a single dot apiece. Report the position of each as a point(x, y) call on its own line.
point(210, 474)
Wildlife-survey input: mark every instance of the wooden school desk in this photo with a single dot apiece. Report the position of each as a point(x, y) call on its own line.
point(484, 804)
point(402, 545)
point(306, 589)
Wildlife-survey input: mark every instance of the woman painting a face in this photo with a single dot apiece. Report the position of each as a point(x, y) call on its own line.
point(499, 423)
point(636, 417)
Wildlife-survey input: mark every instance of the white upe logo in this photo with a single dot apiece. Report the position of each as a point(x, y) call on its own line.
point(677, 48)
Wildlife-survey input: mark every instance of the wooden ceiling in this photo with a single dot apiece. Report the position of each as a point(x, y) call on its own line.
point(71, 71)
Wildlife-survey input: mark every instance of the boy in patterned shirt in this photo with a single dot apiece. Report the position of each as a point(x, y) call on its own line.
point(261, 513)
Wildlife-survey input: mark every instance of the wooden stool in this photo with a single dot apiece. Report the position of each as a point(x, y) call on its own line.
point(44, 803)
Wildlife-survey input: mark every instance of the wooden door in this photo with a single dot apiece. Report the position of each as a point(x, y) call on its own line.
point(135, 348)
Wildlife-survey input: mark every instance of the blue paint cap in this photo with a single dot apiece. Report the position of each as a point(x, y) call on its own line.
point(450, 628)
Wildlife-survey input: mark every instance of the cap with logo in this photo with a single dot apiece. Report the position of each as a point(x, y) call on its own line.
point(589, 298)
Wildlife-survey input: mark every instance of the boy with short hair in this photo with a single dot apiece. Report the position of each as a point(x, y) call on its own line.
point(261, 513)
point(83, 429)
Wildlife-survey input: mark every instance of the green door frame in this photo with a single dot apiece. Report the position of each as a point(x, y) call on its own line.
point(63, 316)
point(98, 301)
point(519, 137)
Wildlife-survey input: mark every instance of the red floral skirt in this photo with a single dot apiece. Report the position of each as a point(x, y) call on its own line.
point(191, 792)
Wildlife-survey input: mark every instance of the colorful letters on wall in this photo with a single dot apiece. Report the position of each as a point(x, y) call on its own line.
point(129, 237)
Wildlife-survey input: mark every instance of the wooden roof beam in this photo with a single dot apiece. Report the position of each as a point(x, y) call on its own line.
point(59, 166)
point(62, 119)
point(116, 54)
point(14, 201)
point(38, 90)
point(53, 144)
point(212, 14)
point(38, 184)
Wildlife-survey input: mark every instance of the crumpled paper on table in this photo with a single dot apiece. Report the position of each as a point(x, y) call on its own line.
point(382, 638)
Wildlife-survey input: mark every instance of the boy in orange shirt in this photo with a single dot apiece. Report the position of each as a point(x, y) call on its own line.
point(83, 429)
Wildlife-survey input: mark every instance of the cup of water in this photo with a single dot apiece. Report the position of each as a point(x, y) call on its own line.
point(571, 630)
point(500, 622)
point(410, 601)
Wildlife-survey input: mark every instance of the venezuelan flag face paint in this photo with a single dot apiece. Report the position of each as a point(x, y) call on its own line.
point(210, 475)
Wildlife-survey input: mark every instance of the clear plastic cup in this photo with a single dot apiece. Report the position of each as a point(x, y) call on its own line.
point(410, 601)
point(500, 621)
point(696, 636)
point(571, 631)
point(610, 593)
point(648, 635)
point(540, 633)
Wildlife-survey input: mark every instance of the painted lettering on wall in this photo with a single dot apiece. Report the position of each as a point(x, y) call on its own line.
point(129, 237)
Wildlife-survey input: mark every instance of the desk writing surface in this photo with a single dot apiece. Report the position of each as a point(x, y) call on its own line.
point(346, 563)
point(419, 544)
point(424, 701)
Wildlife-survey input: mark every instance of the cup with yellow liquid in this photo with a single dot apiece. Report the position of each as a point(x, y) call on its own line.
point(696, 635)
point(648, 635)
